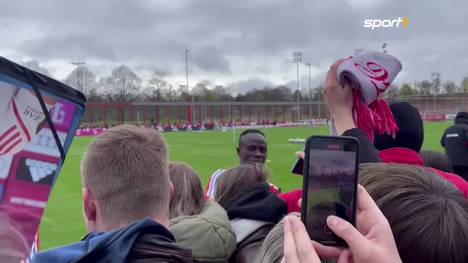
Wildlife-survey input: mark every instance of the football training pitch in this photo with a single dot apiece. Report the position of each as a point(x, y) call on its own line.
point(204, 151)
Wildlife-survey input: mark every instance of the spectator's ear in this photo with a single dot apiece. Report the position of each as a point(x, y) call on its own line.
point(89, 209)
point(238, 151)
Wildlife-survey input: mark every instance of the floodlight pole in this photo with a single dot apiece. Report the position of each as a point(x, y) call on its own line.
point(310, 89)
point(192, 115)
point(297, 56)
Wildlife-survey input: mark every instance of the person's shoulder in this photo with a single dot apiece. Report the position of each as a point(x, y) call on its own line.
point(212, 214)
point(60, 254)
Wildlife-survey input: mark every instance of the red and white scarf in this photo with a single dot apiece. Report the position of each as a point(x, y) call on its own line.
point(370, 74)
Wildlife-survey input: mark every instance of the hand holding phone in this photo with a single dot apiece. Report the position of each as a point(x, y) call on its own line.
point(372, 242)
point(330, 185)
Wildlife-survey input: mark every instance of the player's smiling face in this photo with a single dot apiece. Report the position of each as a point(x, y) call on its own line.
point(252, 148)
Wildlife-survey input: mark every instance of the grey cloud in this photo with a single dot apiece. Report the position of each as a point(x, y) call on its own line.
point(248, 85)
point(149, 34)
point(211, 59)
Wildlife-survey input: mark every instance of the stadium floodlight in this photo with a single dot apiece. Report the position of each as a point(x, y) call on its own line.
point(384, 47)
point(297, 56)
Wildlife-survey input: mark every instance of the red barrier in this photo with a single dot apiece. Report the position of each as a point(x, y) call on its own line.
point(434, 117)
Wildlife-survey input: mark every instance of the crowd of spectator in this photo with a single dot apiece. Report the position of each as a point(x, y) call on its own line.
point(138, 206)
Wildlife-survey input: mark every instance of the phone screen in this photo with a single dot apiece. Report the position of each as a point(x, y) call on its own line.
point(331, 185)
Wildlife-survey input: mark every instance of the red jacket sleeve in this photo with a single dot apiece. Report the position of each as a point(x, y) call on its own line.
point(458, 181)
point(291, 199)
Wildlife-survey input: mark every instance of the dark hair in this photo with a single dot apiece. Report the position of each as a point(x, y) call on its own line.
point(428, 215)
point(250, 131)
point(461, 116)
point(237, 179)
point(437, 160)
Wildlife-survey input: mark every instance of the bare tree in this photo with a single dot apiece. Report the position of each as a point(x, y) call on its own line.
point(122, 84)
point(168, 93)
point(450, 87)
point(156, 83)
point(436, 82)
point(407, 90)
point(82, 79)
point(464, 85)
point(425, 87)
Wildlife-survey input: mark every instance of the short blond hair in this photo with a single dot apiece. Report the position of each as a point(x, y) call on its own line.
point(126, 168)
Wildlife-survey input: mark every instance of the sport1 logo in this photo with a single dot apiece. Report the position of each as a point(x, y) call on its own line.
point(386, 23)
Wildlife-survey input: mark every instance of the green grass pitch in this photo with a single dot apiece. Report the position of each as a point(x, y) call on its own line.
point(204, 151)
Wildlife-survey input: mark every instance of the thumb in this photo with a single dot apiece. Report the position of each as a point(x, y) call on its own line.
point(347, 232)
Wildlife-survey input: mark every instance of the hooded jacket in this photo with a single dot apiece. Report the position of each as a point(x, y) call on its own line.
point(208, 234)
point(253, 213)
point(142, 241)
point(408, 156)
point(455, 140)
point(411, 129)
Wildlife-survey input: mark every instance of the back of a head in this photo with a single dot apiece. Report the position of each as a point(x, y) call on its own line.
point(188, 198)
point(428, 215)
point(462, 117)
point(437, 160)
point(127, 169)
point(271, 250)
point(236, 180)
point(411, 129)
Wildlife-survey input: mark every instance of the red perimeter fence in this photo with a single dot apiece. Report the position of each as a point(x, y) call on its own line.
point(211, 112)
point(177, 113)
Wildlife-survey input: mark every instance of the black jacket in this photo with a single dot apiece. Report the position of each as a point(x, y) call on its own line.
point(140, 242)
point(455, 140)
point(257, 203)
point(367, 151)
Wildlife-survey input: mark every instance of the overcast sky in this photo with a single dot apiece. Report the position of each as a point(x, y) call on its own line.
point(243, 43)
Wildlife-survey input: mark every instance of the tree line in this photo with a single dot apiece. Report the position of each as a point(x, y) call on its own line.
point(124, 85)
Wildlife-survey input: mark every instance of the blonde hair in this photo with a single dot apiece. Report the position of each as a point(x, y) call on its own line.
point(188, 198)
point(127, 170)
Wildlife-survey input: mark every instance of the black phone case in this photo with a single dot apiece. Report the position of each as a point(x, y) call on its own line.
point(43, 82)
point(338, 242)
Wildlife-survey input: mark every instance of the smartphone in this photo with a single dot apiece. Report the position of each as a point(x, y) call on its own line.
point(39, 118)
point(298, 167)
point(330, 185)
